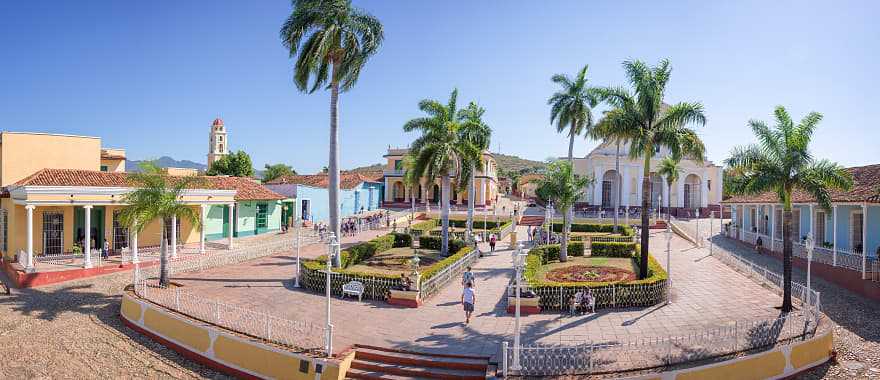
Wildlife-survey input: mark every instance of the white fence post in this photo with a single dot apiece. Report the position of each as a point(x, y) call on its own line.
point(504, 359)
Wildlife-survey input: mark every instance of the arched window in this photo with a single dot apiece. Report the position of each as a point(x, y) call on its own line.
point(609, 189)
point(692, 196)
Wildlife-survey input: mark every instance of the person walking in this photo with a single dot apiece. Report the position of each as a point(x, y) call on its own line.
point(492, 243)
point(467, 277)
point(468, 299)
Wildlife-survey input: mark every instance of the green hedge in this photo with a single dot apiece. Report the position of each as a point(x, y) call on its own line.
point(435, 242)
point(428, 225)
point(435, 268)
point(402, 240)
point(535, 260)
point(595, 227)
point(550, 252)
point(425, 226)
point(612, 249)
point(359, 252)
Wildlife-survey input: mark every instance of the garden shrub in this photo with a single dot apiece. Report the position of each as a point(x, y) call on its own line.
point(402, 240)
point(550, 252)
point(435, 242)
point(440, 265)
point(612, 249)
point(596, 227)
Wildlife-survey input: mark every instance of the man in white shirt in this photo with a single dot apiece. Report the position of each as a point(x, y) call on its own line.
point(468, 298)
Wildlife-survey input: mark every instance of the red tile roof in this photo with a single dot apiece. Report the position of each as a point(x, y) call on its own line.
point(108, 156)
point(866, 188)
point(246, 189)
point(346, 180)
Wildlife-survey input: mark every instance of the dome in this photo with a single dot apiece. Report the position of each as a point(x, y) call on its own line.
point(217, 122)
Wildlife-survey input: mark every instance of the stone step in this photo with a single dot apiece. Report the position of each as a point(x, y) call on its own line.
point(408, 371)
point(420, 359)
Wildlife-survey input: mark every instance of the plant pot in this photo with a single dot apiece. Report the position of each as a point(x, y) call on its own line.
point(526, 305)
point(406, 298)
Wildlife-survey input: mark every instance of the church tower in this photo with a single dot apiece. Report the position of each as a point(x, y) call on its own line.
point(219, 146)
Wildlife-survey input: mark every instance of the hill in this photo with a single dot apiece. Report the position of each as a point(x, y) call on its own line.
point(370, 168)
point(506, 164)
point(166, 162)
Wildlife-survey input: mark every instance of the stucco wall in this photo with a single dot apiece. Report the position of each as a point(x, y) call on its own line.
point(17, 158)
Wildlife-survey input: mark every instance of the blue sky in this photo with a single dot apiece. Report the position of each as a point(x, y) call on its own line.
point(151, 76)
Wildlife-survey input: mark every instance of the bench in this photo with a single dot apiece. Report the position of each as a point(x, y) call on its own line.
point(355, 288)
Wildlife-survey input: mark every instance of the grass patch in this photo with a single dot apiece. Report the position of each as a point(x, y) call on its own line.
point(396, 261)
point(612, 262)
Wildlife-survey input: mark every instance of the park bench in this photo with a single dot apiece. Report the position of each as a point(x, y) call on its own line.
point(355, 288)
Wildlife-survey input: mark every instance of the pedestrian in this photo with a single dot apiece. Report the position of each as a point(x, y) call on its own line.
point(492, 243)
point(467, 277)
point(468, 298)
point(105, 253)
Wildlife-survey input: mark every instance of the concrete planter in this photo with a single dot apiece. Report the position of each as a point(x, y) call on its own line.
point(406, 298)
point(526, 305)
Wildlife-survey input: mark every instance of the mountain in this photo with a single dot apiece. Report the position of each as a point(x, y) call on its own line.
point(370, 168)
point(166, 162)
point(506, 163)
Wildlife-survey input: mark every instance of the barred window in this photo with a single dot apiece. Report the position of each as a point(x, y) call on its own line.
point(4, 229)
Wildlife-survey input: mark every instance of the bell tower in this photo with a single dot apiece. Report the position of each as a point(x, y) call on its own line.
point(218, 145)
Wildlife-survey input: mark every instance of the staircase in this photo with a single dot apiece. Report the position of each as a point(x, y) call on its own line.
point(371, 362)
point(531, 220)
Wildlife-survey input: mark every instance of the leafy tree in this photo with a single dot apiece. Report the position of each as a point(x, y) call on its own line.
point(441, 151)
point(478, 133)
point(668, 168)
point(649, 123)
point(236, 164)
point(157, 196)
point(277, 171)
point(781, 163)
point(561, 186)
point(331, 41)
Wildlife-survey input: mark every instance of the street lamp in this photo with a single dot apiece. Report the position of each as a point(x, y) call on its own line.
point(298, 241)
point(518, 262)
point(332, 251)
point(668, 264)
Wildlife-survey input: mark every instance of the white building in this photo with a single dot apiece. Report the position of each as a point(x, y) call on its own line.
point(218, 146)
point(699, 184)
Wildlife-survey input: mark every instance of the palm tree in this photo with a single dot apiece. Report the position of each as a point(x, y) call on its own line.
point(781, 163)
point(608, 129)
point(157, 196)
point(561, 186)
point(668, 168)
point(571, 109)
point(475, 131)
point(651, 124)
point(412, 180)
point(332, 41)
point(441, 151)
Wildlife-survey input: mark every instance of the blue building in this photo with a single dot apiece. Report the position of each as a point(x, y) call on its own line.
point(308, 196)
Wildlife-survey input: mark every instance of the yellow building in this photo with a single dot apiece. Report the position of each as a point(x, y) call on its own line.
point(396, 192)
point(59, 191)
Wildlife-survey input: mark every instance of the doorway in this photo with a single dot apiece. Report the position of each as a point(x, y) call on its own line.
point(96, 223)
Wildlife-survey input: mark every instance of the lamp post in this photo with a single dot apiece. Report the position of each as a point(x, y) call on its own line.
point(668, 264)
point(518, 260)
point(298, 241)
point(332, 251)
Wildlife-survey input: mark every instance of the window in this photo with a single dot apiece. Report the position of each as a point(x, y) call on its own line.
point(168, 231)
point(262, 215)
point(796, 224)
point(221, 148)
point(103, 168)
point(220, 138)
point(709, 184)
point(856, 232)
point(777, 220)
point(398, 165)
point(120, 233)
point(819, 237)
point(53, 233)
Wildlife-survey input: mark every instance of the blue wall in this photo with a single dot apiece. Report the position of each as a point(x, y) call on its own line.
point(873, 232)
point(367, 195)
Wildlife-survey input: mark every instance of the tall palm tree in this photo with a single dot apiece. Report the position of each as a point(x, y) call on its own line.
point(478, 133)
point(609, 129)
point(563, 188)
point(781, 163)
point(331, 41)
point(652, 124)
point(668, 168)
point(571, 109)
point(441, 151)
point(157, 196)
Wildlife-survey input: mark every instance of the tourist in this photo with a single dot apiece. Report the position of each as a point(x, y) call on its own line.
point(758, 244)
point(574, 303)
point(468, 298)
point(467, 277)
point(105, 253)
point(492, 239)
point(588, 302)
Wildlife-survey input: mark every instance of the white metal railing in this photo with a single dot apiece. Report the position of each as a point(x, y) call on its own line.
point(432, 285)
point(257, 324)
point(750, 237)
point(844, 258)
point(22, 258)
point(611, 296)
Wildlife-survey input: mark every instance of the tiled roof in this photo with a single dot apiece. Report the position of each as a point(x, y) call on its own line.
point(529, 178)
point(109, 156)
point(346, 180)
point(246, 189)
point(866, 188)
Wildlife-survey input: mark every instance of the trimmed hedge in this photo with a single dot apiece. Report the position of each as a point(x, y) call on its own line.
point(612, 249)
point(550, 252)
point(435, 268)
point(402, 240)
point(596, 227)
point(535, 260)
point(428, 225)
point(435, 242)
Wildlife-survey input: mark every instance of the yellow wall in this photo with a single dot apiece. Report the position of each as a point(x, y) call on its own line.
point(114, 166)
point(18, 158)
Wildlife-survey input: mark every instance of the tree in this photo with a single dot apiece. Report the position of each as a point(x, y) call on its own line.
point(781, 163)
point(668, 168)
point(331, 41)
point(475, 131)
point(650, 123)
point(157, 196)
point(277, 171)
point(610, 129)
point(236, 164)
point(441, 151)
point(561, 186)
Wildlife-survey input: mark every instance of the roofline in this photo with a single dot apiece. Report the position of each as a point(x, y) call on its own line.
point(49, 134)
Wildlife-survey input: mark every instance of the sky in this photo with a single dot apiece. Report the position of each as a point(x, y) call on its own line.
point(150, 76)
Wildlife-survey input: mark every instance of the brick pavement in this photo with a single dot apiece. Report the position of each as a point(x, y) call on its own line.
point(706, 294)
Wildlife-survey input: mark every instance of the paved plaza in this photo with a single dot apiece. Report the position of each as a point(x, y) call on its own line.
point(706, 294)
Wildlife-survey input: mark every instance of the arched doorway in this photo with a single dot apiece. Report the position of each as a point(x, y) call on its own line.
point(397, 192)
point(609, 188)
point(435, 194)
point(656, 190)
point(692, 188)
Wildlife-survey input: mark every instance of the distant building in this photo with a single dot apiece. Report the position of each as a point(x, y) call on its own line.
point(308, 196)
point(527, 184)
point(398, 193)
point(698, 188)
point(218, 145)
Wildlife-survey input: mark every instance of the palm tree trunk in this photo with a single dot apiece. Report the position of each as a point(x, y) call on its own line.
point(566, 225)
point(646, 202)
point(617, 179)
point(444, 215)
point(786, 257)
point(569, 214)
point(668, 200)
point(472, 196)
point(333, 167)
point(163, 258)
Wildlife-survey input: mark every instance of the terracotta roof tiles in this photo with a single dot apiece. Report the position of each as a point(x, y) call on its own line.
point(346, 180)
point(866, 188)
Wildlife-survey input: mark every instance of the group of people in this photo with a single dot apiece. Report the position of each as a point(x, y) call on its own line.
point(353, 225)
point(468, 295)
point(538, 234)
point(581, 302)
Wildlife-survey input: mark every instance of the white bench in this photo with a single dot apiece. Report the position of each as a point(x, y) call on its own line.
point(355, 288)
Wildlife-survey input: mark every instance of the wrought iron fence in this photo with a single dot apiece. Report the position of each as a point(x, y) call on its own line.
point(375, 288)
point(432, 285)
point(609, 296)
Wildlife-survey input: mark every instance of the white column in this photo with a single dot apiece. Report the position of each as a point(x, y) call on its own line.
point(134, 248)
point(597, 185)
point(87, 243)
point(231, 224)
point(30, 237)
point(680, 186)
point(483, 191)
point(719, 186)
point(626, 190)
point(704, 190)
point(639, 185)
point(864, 241)
point(666, 200)
point(834, 234)
point(173, 235)
point(202, 230)
point(812, 223)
